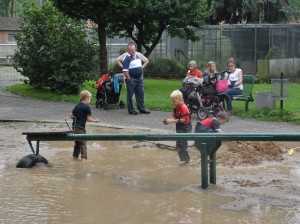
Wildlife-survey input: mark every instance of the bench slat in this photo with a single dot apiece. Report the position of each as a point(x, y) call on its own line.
point(248, 84)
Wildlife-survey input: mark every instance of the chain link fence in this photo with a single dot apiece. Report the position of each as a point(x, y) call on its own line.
point(262, 49)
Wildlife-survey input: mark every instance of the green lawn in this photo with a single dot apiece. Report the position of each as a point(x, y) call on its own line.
point(157, 97)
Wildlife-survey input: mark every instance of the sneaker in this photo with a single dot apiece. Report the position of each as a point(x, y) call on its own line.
point(183, 162)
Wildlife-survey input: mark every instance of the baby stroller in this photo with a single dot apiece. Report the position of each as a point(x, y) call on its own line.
point(109, 90)
point(201, 95)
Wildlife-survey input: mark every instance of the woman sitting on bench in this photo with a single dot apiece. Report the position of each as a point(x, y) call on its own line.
point(235, 83)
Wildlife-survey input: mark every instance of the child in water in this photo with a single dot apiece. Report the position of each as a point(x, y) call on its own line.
point(182, 119)
point(81, 114)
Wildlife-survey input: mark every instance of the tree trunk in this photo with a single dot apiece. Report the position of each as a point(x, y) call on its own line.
point(102, 47)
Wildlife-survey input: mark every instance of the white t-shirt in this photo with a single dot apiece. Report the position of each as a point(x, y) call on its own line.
point(234, 77)
point(141, 56)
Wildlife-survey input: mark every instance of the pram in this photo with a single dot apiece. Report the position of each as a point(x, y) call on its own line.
point(109, 90)
point(200, 95)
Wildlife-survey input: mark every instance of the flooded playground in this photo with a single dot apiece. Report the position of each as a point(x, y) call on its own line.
point(137, 182)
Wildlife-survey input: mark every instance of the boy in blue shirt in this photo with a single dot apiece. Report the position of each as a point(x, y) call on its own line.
point(81, 114)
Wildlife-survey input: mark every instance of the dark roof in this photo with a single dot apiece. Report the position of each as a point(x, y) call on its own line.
point(10, 23)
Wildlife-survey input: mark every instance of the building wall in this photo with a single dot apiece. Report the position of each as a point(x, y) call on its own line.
point(3, 37)
point(268, 69)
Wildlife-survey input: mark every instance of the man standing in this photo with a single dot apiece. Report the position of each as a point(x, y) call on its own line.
point(133, 65)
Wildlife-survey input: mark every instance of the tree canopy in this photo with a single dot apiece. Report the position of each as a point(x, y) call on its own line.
point(99, 11)
point(142, 20)
point(145, 21)
point(250, 11)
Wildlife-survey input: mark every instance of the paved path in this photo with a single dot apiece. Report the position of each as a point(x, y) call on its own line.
point(14, 107)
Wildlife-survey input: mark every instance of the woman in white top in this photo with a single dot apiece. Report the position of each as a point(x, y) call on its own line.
point(235, 83)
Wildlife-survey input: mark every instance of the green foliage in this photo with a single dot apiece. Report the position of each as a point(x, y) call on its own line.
point(250, 11)
point(166, 66)
point(100, 12)
point(292, 10)
point(142, 21)
point(145, 21)
point(12, 8)
point(52, 50)
point(274, 52)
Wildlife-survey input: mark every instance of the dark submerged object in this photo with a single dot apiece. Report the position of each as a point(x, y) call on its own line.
point(31, 160)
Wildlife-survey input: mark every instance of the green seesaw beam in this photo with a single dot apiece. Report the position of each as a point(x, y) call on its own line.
point(206, 143)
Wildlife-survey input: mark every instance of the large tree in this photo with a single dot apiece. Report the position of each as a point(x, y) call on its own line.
point(142, 20)
point(146, 20)
point(99, 11)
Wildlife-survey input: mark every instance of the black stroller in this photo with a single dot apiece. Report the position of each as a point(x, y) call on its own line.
point(108, 93)
point(201, 96)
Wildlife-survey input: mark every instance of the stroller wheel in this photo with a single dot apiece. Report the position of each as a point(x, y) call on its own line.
point(202, 113)
point(189, 106)
point(105, 106)
point(122, 104)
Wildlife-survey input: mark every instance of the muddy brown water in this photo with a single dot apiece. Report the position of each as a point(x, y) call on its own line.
point(132, 182)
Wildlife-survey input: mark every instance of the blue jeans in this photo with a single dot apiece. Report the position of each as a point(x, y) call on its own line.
point(135, 86)
point(230, 92)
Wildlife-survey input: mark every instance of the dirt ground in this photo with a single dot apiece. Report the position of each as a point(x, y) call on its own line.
point(249, 153)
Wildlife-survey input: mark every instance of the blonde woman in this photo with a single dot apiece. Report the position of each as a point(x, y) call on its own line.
point(211, 68)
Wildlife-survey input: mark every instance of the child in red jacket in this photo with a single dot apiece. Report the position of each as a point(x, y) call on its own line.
point(182, 119)
point(211, 125)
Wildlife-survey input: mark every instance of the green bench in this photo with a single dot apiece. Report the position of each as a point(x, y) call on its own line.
point(248, 83)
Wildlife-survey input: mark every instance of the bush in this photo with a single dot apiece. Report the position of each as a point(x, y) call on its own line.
point(166, 67)
point(52, 50)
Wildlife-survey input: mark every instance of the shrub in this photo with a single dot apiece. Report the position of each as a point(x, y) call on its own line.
point(53, 50)
point(164, 66)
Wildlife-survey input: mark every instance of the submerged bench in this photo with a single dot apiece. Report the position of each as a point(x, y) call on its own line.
point(248, 83)
point(206, 143)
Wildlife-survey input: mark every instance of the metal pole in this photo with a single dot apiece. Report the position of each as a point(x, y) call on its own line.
point(281, 92)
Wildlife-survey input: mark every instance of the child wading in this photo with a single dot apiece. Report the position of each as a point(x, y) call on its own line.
point(182, 119)
point(211, 125)
point(81, 114)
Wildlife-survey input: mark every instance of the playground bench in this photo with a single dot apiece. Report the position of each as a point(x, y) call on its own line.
point(248, 83)
point(206, 143)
